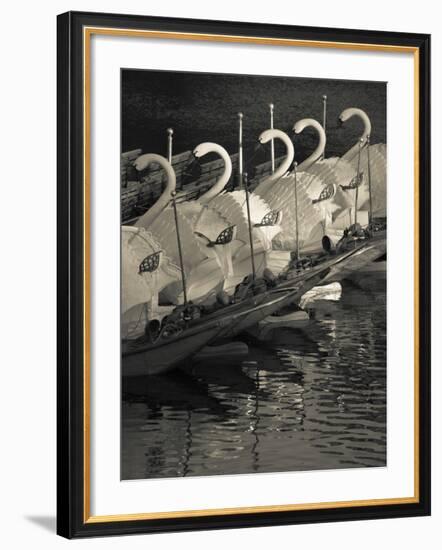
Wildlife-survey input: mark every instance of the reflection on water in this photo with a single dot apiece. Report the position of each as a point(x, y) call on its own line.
point(306, 400)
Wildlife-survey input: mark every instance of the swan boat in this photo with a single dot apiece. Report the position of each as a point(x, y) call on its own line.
point(205, 237)
point(145, 270)
point(295, 194)
point(166, 344)
point(348, 177)
point(348, 180)
point(310, 199)
point(181, 337)
point(265, 223)
point(372, 162)
point(334, 177)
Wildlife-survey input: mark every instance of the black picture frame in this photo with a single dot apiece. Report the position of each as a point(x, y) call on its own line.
point(72, 520)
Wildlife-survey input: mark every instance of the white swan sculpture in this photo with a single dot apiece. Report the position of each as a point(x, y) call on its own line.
point(146, 270)
point(278, 190)
point(333, 171)
point(378, 162)
point(265, 223)
point(205, 236)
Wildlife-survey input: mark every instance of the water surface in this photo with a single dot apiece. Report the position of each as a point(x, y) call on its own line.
point(203, 107)
point(305, 400)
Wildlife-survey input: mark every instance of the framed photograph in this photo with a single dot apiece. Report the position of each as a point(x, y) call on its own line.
point(243, 274)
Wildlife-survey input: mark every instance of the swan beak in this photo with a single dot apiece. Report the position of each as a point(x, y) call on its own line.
point(340, 122)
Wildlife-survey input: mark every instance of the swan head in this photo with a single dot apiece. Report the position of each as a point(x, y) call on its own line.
point(300, 126)
point(204, 148)
point(267, 135)
point(354, 111)
point(305, 123)
point(344, 116)
point(348, 113)
point(143, 161)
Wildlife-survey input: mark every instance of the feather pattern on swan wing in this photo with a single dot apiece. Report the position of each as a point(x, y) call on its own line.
point(138, 288)
point(266, 184)
point(226, 205)
point(205, 266)
point(315, 186)
point(332, 170)
point(258, 210)
point(340, 172)
point(281, 197)
point(163, 227)
point(209, 225)
point(378, 169)
point(204, 219)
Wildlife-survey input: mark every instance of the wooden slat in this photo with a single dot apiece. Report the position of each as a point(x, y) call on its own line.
point(130, 155)
point(181, 157)
point(140, 190)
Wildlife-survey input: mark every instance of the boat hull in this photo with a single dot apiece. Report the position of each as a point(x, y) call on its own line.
point(371, 251)
point(261, 308)
point(290, 291)
point(161, 358)
point(141, 357)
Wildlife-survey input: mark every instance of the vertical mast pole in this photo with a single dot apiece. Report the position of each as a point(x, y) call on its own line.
point(370, 213)
point(252, 252)
point(175, 213)
point(169, 144)
point(358, 182)
point(240, 159)
point(272, 141)
point(180, 251)
point(295, 165)
point(324, 117)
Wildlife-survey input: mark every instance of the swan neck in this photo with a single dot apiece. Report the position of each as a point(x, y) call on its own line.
point(320, 148)
point(290, 155)
point(151, 215)
point(225, 176)
point(351, 153)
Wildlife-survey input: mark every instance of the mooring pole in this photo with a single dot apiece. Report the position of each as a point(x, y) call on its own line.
point(169, 144)
point(370, 212)
point(324, 118)
point(180, 251)
point(358, 182)
point(252, 252)
point(295, 165)
point(240, 159)
point(272, 141)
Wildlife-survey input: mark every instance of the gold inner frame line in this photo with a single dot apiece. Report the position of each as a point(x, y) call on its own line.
point(87, 34)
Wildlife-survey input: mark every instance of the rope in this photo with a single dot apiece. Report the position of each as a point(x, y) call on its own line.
point(132, 328)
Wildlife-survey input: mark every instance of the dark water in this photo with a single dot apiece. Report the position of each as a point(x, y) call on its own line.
point(306, 400)
point(203, 107)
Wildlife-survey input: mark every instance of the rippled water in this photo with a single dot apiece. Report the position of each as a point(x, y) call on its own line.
point(305, 400)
